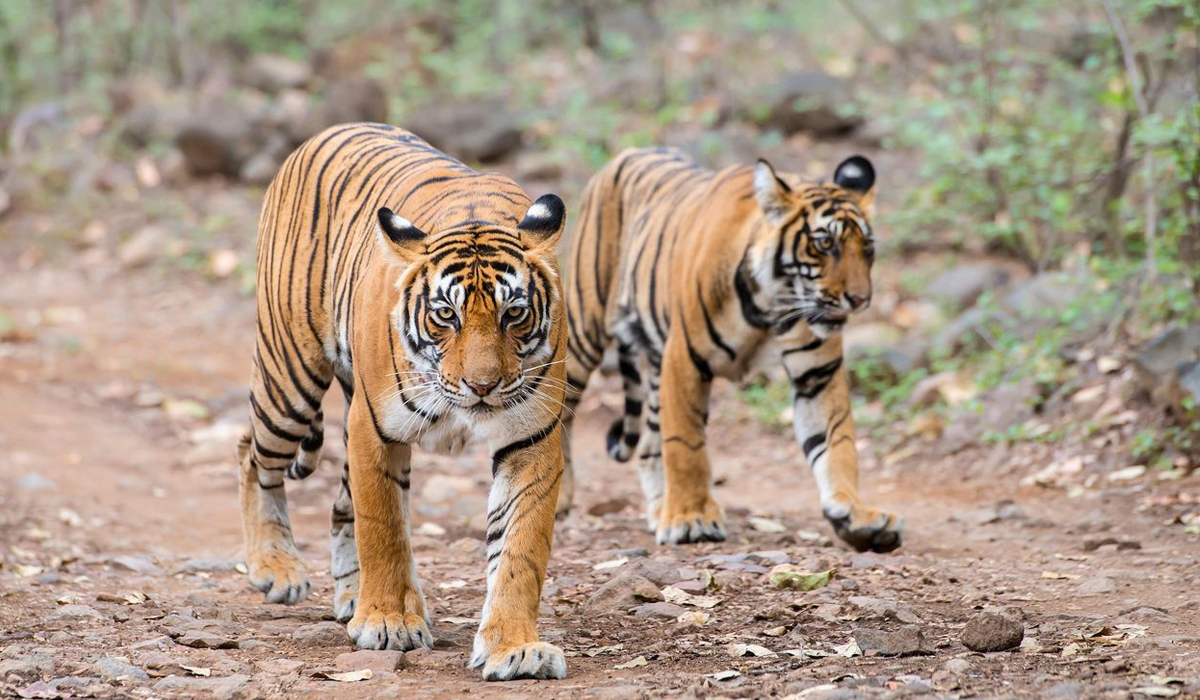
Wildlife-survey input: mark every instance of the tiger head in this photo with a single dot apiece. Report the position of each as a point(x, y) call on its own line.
point(818, 245)
point(478, 305)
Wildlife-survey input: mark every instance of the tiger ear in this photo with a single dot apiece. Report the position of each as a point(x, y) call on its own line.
point(857, 175)
point(771, 192)
point(399, 237)
point(544, 223)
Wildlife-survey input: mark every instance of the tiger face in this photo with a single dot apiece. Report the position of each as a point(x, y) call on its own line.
point(477, 307)
point(819, 244)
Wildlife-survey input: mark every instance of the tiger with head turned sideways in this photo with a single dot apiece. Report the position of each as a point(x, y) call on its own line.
point(431, 293)
point(700, 273)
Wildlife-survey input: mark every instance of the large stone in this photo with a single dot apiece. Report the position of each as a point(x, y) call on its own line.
point(272, 73)
point(662, 610)
point(624, 592)
point(350, 99)
point(220, 138)
point(476, 130)
point(1168, 367)
point(908, 640)
point(812, 101)
point(992, 632)
point(960, 286)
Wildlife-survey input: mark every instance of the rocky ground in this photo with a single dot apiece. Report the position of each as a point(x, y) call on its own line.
point(1030, 569)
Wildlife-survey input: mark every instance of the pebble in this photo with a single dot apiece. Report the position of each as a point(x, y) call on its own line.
point(1100, 585)
point(197, 565)
point(36, 482)
point(27, 667)
point(624, 592)
point(388, 660)
point(908, 640)
point(160, 665)
point(119, 669)
point(140, 565)
point(663, 610)
point(321, 634)
point(992, 632)
point(69, 612)
point(957, 667)
point(609, 507)
point(1147, 614)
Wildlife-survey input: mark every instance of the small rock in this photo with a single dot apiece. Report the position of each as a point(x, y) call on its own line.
point(957, 667)
point(143, 247)
point(29, 668)
point(474, 130)
point(281, 667)
point(69, 612)
point(119, 669)
point(442, 488)
point(161, 665)
point(218, 688)
point(664, 610)
point(1147, 614)
point(36, 482)
point(908, 640)
point(657, 571)
point(992, 632)
point(321, 634)
point(1100, 585)
point(609, 507)
point(205, 639)
point(624, 592)
point(387, 660)
point(140, 565)
point(192, 566)
point(886, 609)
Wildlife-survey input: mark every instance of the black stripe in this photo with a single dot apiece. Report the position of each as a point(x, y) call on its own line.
point(525, 443)
point(814, 381)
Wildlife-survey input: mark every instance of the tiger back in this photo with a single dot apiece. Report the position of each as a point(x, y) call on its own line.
point(431, 294)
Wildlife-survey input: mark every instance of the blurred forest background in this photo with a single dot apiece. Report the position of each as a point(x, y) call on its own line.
point(1028, 371)
point(1040, 161)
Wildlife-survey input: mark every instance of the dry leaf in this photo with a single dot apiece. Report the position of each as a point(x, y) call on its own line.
point(681, 597)
point(775, 632)
point(348, 676)
point(611, 564)
point(451, 585)
point(767, 525)
point(639, 661)
point(750, 650)
point(724, 675)
point(788, 576)
point(849, 649)
point(1055, 576)
point(197, 670)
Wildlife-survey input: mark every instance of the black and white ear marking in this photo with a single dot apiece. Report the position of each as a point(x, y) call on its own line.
point(545, 217)
point(397, 228)
point(856, 174)
point(770, 191)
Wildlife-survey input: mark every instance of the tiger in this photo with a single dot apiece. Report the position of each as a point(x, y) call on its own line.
point(431, 293)
point(696, 274)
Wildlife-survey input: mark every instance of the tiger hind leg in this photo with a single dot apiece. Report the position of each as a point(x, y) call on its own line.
point(309, 453)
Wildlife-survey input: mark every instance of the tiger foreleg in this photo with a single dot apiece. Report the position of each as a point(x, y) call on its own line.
point(389, 612)
point(825, 430)
point(521, 506)
point(274, 565)
point(689, 513)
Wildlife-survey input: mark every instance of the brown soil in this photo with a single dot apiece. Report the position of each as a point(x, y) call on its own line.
point(82, 393)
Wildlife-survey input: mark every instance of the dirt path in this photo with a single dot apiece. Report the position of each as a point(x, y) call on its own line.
point(121, 540)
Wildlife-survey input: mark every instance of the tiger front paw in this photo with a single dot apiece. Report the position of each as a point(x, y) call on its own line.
point(387, 627)
point(865, 529)
point(538, 660)
point(698, 524)
point(280, 573)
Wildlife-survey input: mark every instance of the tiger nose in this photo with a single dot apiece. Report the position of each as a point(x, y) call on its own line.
point(482, 388)
point(857, 301)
